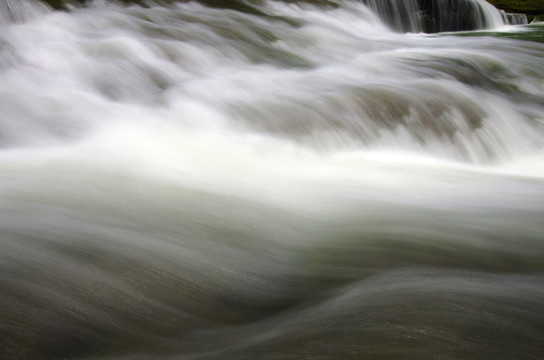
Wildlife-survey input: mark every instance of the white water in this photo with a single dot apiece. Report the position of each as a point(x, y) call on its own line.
point(191, 182)
point(18, 11)
point(438, 15)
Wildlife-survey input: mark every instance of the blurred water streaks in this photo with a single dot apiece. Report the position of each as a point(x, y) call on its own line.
point(194, 182)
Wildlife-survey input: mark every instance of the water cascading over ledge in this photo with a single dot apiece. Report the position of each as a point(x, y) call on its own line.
point(20, 10)
point(514, 19)
point(433, 16)
point(428, 16)
point(255, 179)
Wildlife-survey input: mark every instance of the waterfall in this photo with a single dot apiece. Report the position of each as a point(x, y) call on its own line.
point(433, 16)
point(400, 15)
point(514, 19)
point(265, 179)
point(429, 16)
point(18, 11)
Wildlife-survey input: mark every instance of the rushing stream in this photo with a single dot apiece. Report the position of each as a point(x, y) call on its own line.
point(276, 181)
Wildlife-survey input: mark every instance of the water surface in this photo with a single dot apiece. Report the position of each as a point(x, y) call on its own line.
point(191, 182)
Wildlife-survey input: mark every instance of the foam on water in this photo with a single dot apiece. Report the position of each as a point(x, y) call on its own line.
point(189, 182)
point(19, 11)
point(320, 83)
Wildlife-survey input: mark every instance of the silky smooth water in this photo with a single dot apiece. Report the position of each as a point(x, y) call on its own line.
point(300, 182)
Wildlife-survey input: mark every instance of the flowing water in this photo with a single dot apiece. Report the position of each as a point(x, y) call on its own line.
point(281, 181)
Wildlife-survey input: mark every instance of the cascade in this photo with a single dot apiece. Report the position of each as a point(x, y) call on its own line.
point(429, 16)
point(514, 19)
point(279, 179)
point(400, 15)
point(433, 16)
point(17, 11)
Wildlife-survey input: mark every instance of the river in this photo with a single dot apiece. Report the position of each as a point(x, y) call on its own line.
point(285, 180)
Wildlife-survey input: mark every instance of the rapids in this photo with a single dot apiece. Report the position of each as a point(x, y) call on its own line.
point(298, 181)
